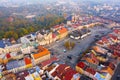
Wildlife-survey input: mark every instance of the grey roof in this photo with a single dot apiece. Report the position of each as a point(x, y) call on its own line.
point(2, 45)
point(15, 64)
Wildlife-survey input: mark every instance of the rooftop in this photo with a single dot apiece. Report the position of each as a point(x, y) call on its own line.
point(44, 63)
point(2, 45)
point(62, 30)
point(81, 65)
point(41, 52)
point(99, 76)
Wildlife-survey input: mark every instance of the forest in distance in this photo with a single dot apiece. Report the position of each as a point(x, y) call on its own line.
point(22, 26)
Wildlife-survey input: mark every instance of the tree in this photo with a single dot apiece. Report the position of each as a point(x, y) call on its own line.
point(22, 32)
point(11, 34)
point(22, 26)
point(1, 34)
point(69, 45)
point(30, 29)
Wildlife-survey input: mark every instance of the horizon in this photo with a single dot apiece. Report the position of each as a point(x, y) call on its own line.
point(47, 1)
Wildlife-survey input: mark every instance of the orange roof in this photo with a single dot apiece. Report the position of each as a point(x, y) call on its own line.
point(90, 60)
point(41, 52)
point(98, 49)
point(108, 70)
point(62, 30)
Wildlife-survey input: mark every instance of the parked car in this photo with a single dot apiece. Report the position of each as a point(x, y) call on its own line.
point(69, 57)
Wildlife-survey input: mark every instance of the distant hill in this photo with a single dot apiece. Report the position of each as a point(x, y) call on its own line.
point(9, 3)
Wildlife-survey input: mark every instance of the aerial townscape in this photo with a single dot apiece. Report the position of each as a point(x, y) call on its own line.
point(59, 40)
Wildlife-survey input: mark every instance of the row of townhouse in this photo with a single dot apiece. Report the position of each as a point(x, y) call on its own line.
point(101, 62)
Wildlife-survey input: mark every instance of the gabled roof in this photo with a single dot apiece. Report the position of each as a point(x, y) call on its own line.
point(27, 60)
point(62, 30)
point(41, 52)
point(57, 26)
point(104, 39)
point(108, 70)
point(81, 65)
point(62, 67)
point(91, 70)
point(69, 74)
point(93, 57)
point(59, 69)
point(100, 42)
point(113, 36)
point(22, 74)
point(44, 63)
point(99, 49)
point(116, 31)
point(53, 35)
point(64, 72)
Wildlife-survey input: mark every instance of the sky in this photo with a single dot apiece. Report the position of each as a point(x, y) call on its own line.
point(45, 1)
point(17, 1)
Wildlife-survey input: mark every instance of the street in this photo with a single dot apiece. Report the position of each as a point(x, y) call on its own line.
point(81, 45)
point(116, 75)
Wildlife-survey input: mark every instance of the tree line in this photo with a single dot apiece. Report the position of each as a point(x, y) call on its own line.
point(22, 26)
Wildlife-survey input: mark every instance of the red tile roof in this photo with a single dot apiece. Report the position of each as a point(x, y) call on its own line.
point(100, 42)
point(90, 70)
point(116, 49)
point(94, 58)
point(54, 74)
point(61, 67)
point(53, 35)
point(104, 39)
point(113, 36)
point(110, 35)
point(81, 65)
point(44, 63)
point(57, 26)
point(64, 72)
point(27, 60)
point(20, 78)
point(8, 55)
point(112, 66)
point(61, 71)
point(22, 74)
point(69, 74)
point(75, 25)
point(116, 31)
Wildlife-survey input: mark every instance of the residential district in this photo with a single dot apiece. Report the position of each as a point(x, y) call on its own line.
point(43, 55)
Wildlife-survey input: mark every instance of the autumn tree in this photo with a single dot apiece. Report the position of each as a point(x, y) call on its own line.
point(30, 29)
point(69, 45)
point(11, 34)
point(1, 34)
point(22, 26)
point(22, 32)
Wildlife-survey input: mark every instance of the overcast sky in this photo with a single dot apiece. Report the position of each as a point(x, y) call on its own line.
point(42, 1)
